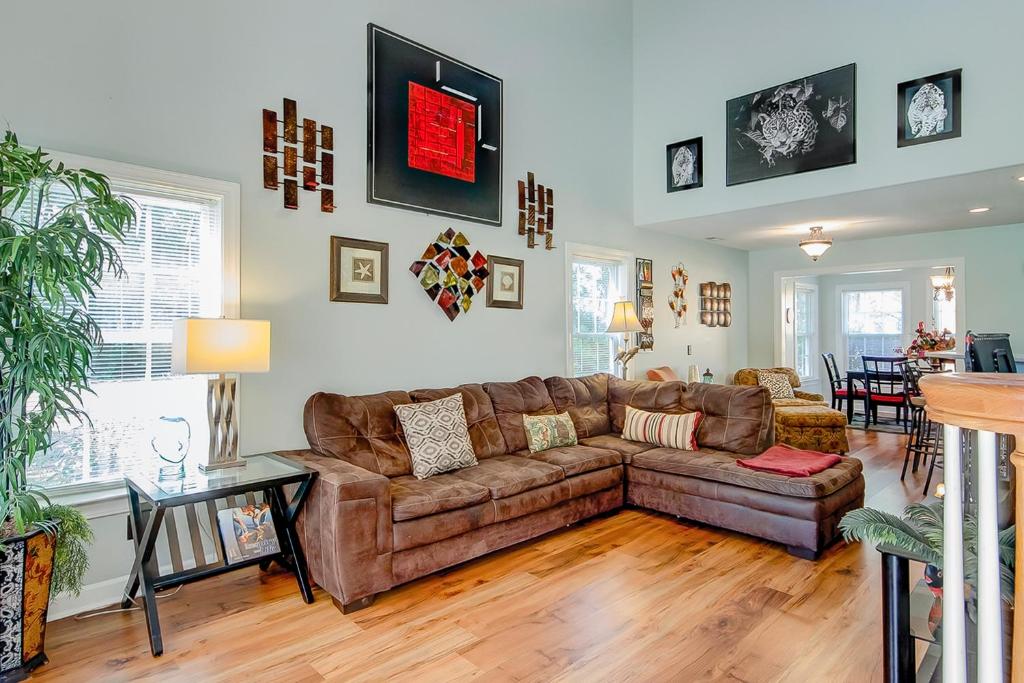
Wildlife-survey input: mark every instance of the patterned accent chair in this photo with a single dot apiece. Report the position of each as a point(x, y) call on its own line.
point(804, 421)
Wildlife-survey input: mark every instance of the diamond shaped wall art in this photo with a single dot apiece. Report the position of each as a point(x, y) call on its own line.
point(449, 274)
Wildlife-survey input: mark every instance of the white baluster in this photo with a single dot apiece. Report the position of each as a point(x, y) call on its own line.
point(954, 654)
point(990, 650)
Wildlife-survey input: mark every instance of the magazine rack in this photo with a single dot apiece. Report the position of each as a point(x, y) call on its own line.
point(158, 505)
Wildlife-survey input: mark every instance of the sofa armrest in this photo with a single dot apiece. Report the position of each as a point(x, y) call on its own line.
point(345, 527)
point(808, 396)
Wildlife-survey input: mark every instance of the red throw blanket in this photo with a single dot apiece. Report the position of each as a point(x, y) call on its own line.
point(792, 462)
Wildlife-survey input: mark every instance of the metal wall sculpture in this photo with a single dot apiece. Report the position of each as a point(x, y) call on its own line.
point(317, 169)
point(677, 302)
point(716, 304)
point(536, 212)
point(645, 303)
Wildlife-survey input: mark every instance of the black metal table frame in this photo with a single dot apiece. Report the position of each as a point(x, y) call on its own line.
point(145, 528)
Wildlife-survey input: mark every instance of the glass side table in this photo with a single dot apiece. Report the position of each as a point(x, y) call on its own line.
point(150, 499)
point(911, 614)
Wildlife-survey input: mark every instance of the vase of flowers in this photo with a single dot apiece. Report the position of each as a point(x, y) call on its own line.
point(930, 340)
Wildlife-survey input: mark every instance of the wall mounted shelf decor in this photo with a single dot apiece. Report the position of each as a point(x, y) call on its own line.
point(677, 302)
point(434, 131)
point(536, 212)
point(645, 303)
point(716, 304)
point(449, 274)
point(317, 169)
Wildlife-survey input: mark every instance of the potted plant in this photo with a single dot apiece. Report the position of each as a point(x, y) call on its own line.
point(58, 229)
point(919, 531)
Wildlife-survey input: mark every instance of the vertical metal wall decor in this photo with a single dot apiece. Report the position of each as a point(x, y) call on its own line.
point(645, 303)
point(317, 169)
point(536, 212)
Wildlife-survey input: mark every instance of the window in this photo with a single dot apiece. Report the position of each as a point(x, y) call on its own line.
point(595, 284)
point(944, 313)
point(872, 323)
point(806, 330)
point(178, 259)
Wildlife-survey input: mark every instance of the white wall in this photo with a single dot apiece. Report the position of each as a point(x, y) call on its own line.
point(690, 57)
point(987, 283)
point(180, 86)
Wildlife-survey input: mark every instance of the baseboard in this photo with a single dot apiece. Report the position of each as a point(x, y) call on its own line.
point(93, 596)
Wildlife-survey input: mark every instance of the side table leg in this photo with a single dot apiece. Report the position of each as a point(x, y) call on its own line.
point(898, 656)
point(145, 570)
point(287, 524)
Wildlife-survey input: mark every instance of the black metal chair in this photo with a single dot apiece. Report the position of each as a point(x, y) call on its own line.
point(920, 442)
point(989, 352)
point(837, 383)
point(883, 383)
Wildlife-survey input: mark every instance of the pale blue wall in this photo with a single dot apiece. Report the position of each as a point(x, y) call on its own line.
point(991, 280)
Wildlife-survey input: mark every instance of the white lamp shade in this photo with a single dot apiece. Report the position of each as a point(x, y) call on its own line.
point(624, 318)
point(220, 345)
point(815, 249)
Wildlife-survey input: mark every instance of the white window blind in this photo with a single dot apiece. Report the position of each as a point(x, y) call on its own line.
point(594, 285)
point(173, 263)
point(872, 324)
point(805, 332)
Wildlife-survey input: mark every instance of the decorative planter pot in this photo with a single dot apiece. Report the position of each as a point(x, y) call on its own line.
point(26, 569)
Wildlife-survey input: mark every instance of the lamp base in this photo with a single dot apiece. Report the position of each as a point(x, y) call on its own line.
point(213, 466)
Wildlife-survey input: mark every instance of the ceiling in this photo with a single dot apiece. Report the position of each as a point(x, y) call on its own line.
point(923, 206)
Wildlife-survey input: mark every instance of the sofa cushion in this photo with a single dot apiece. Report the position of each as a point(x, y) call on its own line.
point(656, 397)
point(483, 426)
point(577, 459)
point(548, 431)
point(776, 383)
point(512, 400)
point(627, 449)
point(795, 402)
point(586, 401)
point(362, 430)
point(748, 376)
point(736, 419)
point(720, 466)
point(412, 533)
point(437, 436)
point(412, 497)
point(507, 475)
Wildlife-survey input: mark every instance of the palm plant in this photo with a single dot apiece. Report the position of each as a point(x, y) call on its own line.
point(58, 230)
point(920, 532)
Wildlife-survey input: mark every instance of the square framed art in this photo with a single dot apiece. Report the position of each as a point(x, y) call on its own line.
point(928, 109)
point(359, 271)
point(505, 284)
point(434, 131)
point(684, 161)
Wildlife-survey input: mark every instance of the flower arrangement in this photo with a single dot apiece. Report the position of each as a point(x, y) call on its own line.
point(930, 341)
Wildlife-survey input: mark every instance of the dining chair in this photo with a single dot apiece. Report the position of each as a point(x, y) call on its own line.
point(883, 383)
point(837, 383)
point(920, 442)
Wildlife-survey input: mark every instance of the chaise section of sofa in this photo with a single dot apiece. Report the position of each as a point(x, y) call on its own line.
point(369, 524)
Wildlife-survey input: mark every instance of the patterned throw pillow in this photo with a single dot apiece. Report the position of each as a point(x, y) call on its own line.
point(549, 431)
point(776, 383)
point(662, 429)
point(437, 435)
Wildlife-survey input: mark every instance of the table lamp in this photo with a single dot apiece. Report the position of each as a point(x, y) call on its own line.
point(204, 346)
point(624, 320)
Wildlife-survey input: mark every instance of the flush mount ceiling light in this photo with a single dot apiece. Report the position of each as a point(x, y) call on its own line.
point(816, 243)
point(980, 209)
point(942, 285)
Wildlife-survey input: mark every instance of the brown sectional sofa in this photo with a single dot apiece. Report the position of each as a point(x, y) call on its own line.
point(369, 525)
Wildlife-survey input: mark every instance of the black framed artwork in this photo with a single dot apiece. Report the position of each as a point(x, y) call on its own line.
point(928, 109)
point(434, 138)
point(684, 165)
point(804, 125)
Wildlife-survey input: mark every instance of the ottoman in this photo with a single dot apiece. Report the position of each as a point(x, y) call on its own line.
point(811, 427)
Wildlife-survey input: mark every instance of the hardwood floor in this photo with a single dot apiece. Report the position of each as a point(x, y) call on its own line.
point(633, 596)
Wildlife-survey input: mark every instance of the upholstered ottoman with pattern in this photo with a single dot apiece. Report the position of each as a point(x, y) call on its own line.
point(811, 427)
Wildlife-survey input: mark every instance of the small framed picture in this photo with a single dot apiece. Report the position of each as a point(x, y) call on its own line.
point(685, 164)
point(928, 109)
point(359, 271)
point(505, 284)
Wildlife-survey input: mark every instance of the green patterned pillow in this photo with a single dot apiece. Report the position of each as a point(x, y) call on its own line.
point(549, 431)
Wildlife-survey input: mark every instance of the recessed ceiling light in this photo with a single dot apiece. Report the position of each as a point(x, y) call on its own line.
point(980, 209)
point(1021, 178)
point(872, 272)
point(713, 239)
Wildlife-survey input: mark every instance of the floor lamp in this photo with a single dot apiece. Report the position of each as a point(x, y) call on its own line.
point(624, 320)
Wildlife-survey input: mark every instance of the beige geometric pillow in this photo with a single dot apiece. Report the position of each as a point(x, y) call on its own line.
point(437, 435)
point(776, 383)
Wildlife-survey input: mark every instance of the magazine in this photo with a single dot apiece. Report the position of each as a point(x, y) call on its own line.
point(247, 532)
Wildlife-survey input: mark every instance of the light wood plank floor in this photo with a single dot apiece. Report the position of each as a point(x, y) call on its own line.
point(635, 596)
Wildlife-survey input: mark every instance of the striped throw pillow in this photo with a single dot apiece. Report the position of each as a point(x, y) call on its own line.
point(661, 429)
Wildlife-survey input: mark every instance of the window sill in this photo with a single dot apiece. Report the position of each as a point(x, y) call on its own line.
point(97, 499)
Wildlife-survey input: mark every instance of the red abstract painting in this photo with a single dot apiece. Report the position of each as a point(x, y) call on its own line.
point(442, 133)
